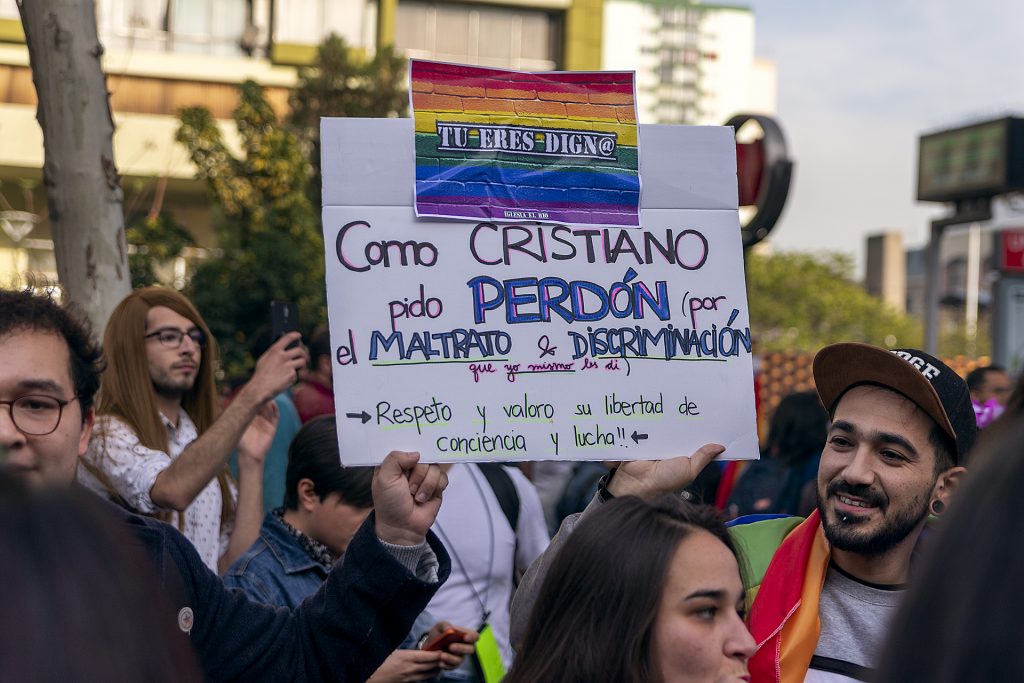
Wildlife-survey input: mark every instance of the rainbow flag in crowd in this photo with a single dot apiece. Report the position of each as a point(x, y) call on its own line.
point(515, 146)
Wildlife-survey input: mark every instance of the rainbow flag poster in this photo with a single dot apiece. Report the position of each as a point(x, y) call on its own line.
point(512, 146)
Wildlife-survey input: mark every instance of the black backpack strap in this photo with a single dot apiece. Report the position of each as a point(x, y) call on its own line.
point(504, 489)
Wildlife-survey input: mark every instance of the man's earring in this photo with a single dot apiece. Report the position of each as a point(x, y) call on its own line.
point(937, 508)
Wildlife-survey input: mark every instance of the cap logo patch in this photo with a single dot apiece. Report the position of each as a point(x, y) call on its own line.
point(927, 369)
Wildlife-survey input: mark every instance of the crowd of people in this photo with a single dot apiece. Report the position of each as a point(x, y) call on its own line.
point(151, 531)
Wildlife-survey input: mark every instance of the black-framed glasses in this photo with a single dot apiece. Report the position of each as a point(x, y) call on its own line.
point(36, 414)
point(171, 337)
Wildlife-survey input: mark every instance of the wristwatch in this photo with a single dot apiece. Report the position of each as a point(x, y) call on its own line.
point(602, 486)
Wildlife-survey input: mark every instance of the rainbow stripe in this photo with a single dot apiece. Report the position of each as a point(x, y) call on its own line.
point(506, 145)
point(784, 616)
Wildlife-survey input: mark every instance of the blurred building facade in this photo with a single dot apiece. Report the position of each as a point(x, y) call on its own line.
point(161, 56)
point(694, 64)
point(897, 275)
point(886, 275)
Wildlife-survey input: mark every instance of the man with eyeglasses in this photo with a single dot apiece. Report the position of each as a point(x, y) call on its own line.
point(160, 447)
point(49, 374)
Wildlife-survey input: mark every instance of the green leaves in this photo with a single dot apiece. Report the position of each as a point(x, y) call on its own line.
point(156, 240)
point(269, 196)
point(801, 301)
point(273, 248)
point(344, 82)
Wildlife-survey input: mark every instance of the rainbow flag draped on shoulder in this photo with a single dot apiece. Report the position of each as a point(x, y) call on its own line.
point(784, 617)
point(514, 146)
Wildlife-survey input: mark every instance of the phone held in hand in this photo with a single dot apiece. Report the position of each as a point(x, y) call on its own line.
point(445, 639)
point(284, 318)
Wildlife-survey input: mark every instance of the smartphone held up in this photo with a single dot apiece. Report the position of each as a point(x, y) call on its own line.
point(284, 318)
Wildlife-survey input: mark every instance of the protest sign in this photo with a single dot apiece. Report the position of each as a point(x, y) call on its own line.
point(510, 145)
point(479, 341)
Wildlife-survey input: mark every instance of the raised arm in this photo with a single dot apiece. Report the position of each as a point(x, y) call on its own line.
point(178, 485)
point(360, 614)
point(406, 498)
point(252, 453)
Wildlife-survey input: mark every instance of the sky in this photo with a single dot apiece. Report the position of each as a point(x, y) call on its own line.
point(858, 82)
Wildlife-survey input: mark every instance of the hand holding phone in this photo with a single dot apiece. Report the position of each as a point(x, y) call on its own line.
point(445, 639)
point(284, 318)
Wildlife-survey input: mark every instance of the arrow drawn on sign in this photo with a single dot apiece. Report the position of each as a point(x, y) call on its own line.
point(637, 438)
point(365, 417)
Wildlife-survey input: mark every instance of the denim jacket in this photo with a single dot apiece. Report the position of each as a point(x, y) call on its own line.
point(276, 570)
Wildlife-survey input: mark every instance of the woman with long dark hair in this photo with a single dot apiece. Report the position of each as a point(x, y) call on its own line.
point(640, 593)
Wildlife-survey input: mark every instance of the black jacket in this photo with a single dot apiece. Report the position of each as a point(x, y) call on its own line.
point(341, 633)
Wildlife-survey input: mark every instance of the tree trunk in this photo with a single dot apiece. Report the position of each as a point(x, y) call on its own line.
point(83, 188)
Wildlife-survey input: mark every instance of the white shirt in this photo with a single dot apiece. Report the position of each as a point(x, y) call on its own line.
point(484, 551)
point(132, 468)
point(855, 618)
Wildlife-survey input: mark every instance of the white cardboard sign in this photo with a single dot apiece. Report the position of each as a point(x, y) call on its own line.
point(472, 341)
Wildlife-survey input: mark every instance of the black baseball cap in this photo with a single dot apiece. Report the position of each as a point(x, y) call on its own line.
point(925, 380)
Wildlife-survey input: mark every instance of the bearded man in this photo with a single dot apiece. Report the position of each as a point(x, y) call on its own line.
point(160, 447)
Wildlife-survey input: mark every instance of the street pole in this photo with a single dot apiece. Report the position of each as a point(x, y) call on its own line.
point(933, 267)
point(966, 211)
point(971, 288)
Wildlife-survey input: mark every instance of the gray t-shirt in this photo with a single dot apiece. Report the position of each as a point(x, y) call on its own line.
point(855, 617)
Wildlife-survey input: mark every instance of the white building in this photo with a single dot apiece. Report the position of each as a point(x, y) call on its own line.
point(694, 63)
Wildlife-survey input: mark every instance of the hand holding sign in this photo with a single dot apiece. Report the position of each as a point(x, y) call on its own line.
point(406, 498)
point(651, 478)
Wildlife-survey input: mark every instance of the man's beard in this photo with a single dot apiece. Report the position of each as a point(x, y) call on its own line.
point(846, 535)
point(173, 389)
